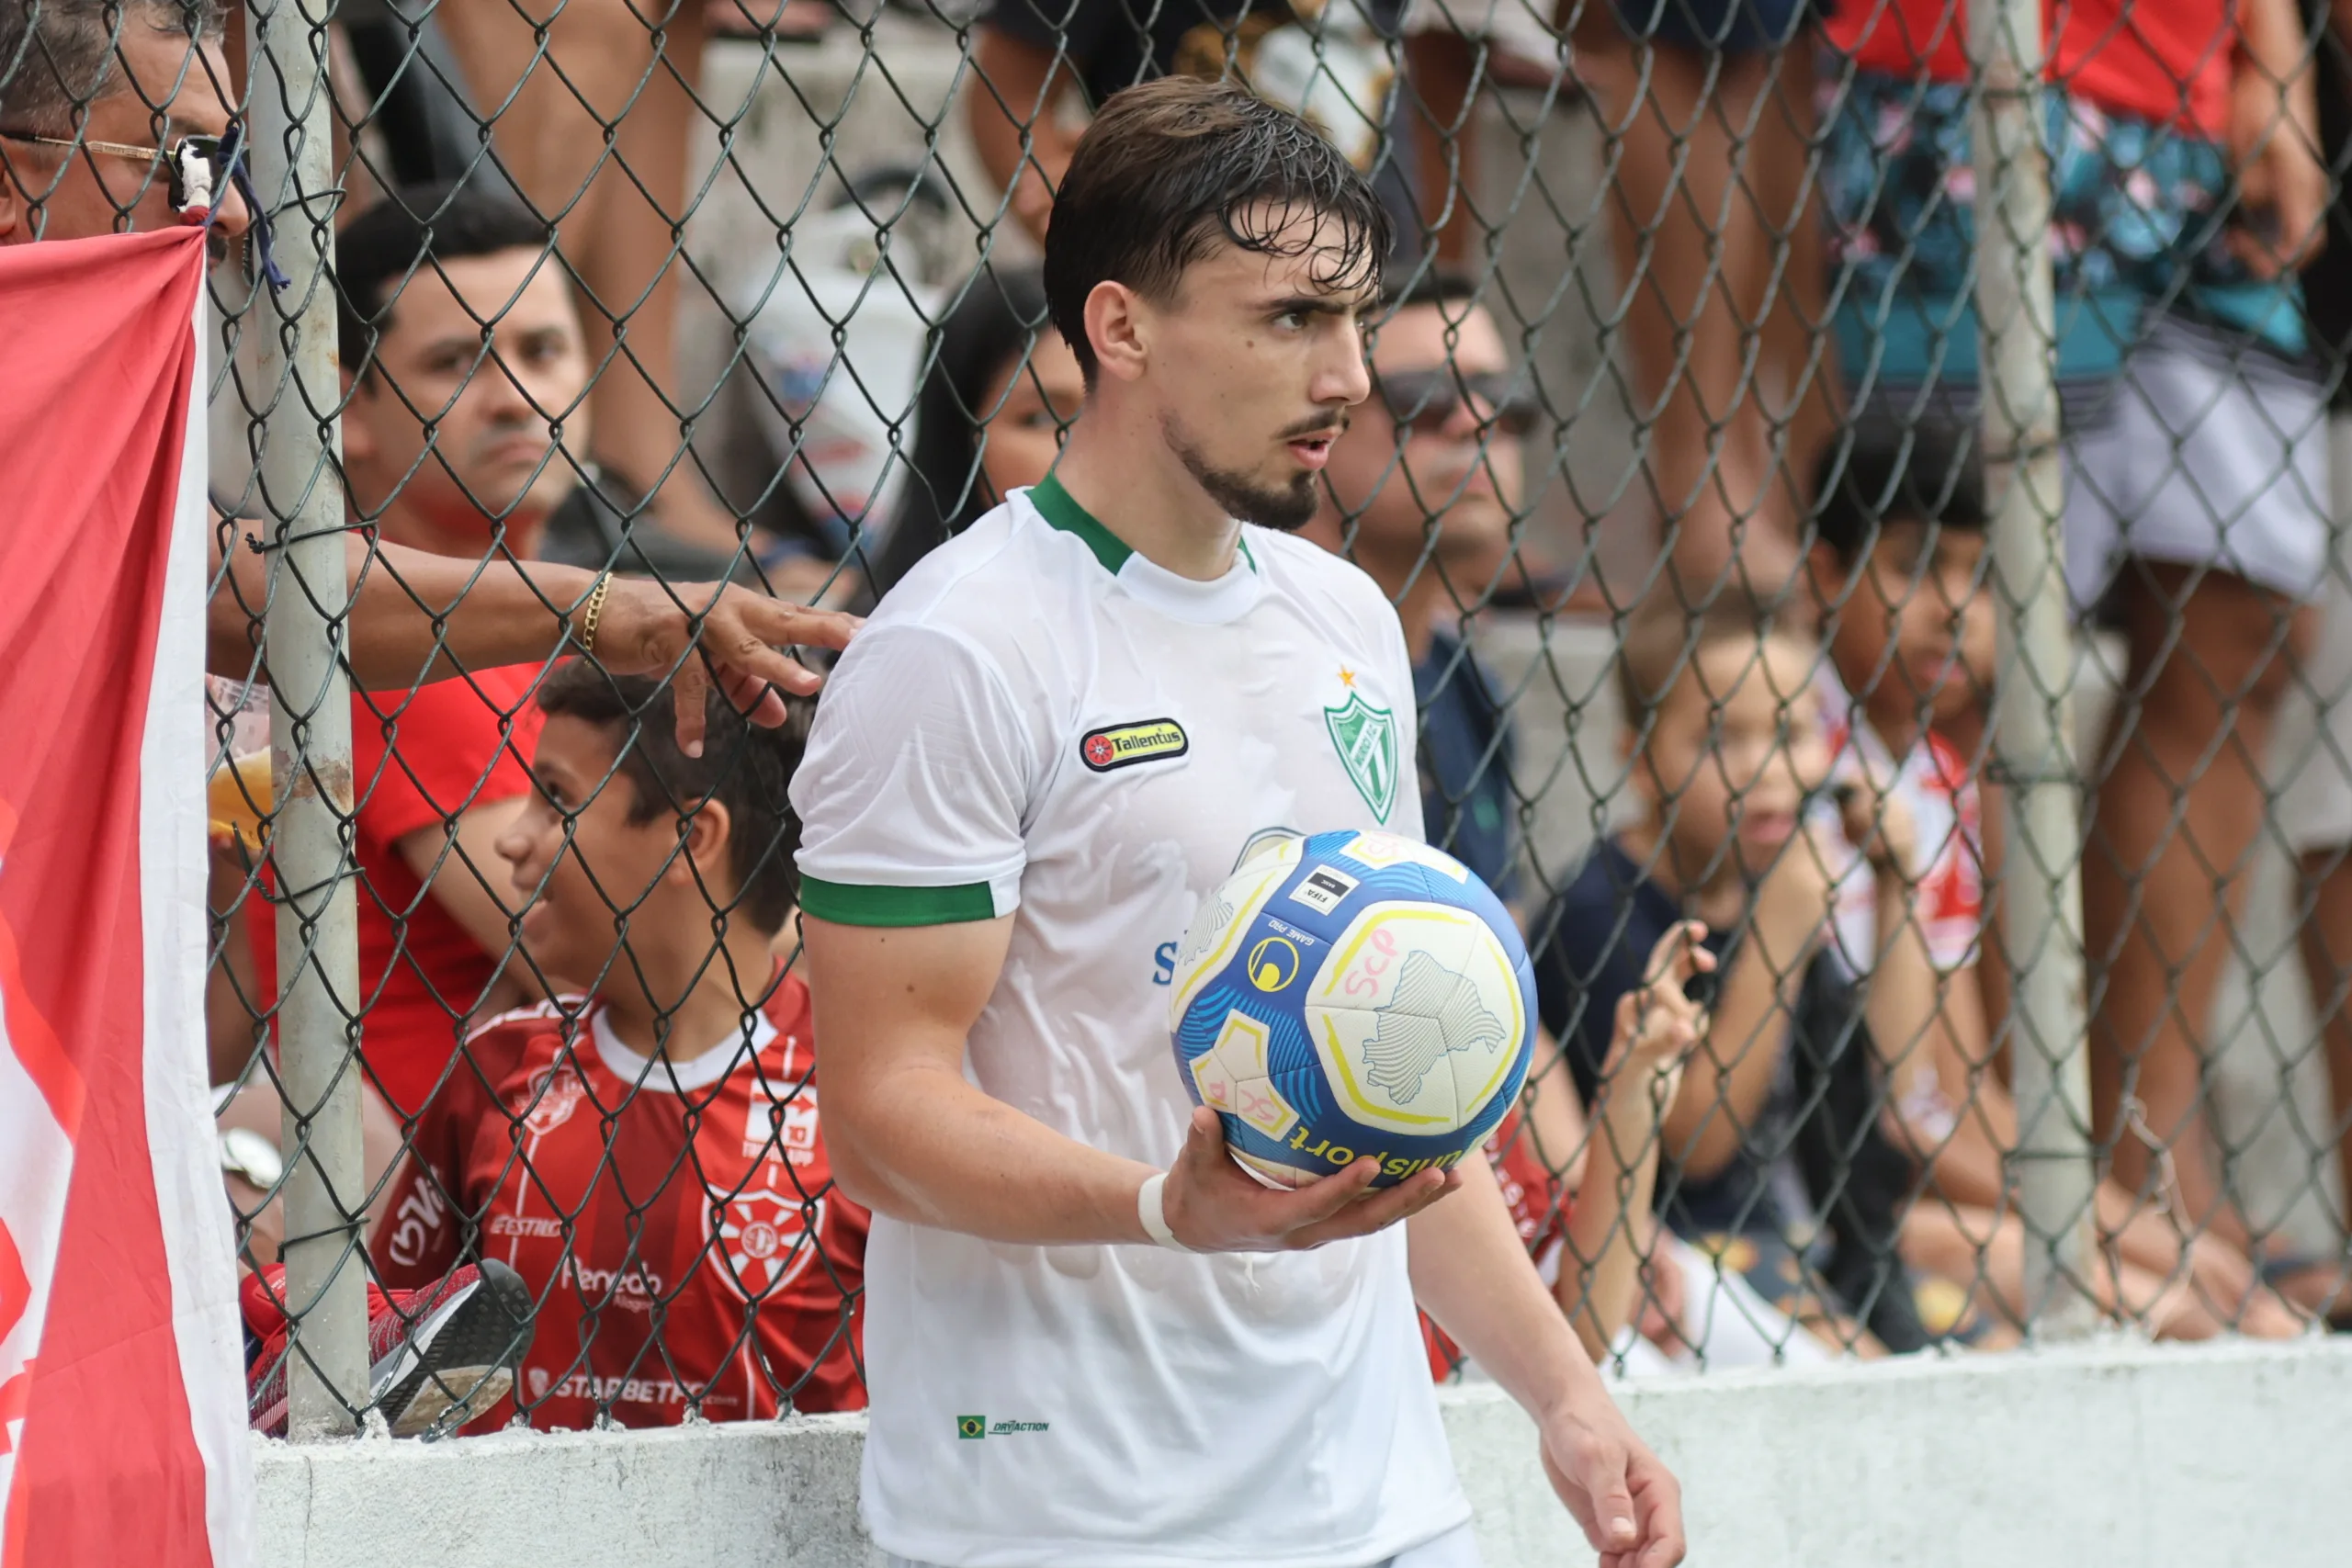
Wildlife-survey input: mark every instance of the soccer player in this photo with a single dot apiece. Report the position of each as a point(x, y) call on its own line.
point(1068, 1363)
point(647, 1159)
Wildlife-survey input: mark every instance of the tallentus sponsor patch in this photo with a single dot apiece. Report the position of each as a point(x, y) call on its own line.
point(1123, 745)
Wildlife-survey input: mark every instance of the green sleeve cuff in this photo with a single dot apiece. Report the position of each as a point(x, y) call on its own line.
point(847, 904)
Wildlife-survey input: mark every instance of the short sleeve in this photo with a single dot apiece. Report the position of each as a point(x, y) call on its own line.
point(915, 786)
point(421, 758)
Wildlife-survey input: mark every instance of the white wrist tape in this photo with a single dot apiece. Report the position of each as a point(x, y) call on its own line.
point(1150, 1210)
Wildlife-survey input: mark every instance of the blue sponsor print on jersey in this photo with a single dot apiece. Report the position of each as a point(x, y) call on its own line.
point(1164, 963)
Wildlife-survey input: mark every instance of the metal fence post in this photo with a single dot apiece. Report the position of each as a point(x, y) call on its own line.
point(299, 437)
point(2034, 755)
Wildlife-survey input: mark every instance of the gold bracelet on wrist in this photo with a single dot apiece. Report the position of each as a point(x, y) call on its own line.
point(594, 612)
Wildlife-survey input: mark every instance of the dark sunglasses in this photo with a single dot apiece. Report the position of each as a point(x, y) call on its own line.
point(1426, 401)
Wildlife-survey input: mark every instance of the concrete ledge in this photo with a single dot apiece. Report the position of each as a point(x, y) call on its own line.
point(2126, 1455)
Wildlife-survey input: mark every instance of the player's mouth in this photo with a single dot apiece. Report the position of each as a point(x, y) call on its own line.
point(1311, 452)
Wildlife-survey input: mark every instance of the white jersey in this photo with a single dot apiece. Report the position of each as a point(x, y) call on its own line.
point(1039, 722)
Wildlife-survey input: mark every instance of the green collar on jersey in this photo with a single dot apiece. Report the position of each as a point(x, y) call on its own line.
point(1059, 507)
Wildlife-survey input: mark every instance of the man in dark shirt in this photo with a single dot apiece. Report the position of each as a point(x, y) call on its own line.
point(1332, 61)
point(1421, 490)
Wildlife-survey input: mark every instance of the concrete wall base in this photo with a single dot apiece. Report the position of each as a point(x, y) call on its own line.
point(2130, 1455)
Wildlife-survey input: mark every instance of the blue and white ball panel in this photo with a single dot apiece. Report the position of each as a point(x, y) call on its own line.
point(1352, 994)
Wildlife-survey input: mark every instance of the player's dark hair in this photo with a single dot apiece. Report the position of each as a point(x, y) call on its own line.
point(412, 229)
point(1663, 638)
point(1928, 472)
point(743, 767)
point(1171, 169)
point(58, 57)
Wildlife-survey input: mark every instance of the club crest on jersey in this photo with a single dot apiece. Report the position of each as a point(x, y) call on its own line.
point(768, 1237)
point(1366, 739)
point(555, 1094)
point(1123, 745)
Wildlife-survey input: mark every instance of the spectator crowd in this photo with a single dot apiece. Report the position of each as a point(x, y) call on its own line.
point(599, 1182)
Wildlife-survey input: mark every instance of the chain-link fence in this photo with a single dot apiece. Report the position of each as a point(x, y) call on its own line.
point(1855, 475)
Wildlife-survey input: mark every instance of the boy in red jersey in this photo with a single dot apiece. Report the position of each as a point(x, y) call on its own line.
point(648, 1157)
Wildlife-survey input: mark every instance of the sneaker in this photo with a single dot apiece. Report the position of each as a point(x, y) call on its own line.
point(437, 1356)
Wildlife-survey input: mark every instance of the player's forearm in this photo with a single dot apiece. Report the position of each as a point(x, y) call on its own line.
point(1472, 1274)
point(921, 1144)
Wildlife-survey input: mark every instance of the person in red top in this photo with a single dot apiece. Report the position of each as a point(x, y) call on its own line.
point(461, 345)
point(648, 1157)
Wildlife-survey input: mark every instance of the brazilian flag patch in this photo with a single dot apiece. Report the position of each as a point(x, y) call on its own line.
point(971, 1425)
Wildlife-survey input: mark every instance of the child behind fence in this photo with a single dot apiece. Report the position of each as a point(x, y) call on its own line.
point(1770, 1142)
point(646, 1155)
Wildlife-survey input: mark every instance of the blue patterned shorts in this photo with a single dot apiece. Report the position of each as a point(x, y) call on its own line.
point(2139, 216)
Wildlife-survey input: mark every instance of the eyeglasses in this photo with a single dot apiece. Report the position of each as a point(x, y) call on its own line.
point(199, 167)
point(1427, 400)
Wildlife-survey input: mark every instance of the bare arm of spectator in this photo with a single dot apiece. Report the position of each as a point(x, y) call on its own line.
point(1957, 1117)
point(2275, 133)
point(1609, 1227)
point(1019, 91)
point(455, 863)
point(1928, 1023)
point(417, 616)
point(230, 992)
point(1730, 1073)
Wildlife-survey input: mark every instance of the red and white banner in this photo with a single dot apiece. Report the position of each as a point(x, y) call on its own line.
point(122, 1429)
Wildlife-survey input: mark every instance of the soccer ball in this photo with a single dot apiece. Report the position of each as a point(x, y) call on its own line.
point(1351, 993)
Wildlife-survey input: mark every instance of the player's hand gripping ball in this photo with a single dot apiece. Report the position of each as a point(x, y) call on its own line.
point(1352, 994)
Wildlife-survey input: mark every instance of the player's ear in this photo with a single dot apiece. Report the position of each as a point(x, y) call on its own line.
point(1116, 328)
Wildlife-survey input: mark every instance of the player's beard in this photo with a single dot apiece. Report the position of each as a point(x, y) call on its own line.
point(1286, 507)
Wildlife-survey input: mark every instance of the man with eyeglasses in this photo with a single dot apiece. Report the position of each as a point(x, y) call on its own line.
point(1421, 493)
point(112, 118)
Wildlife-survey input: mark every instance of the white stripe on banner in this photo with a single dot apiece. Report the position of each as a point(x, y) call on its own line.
point(33, 1181)
point(199, 1243)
